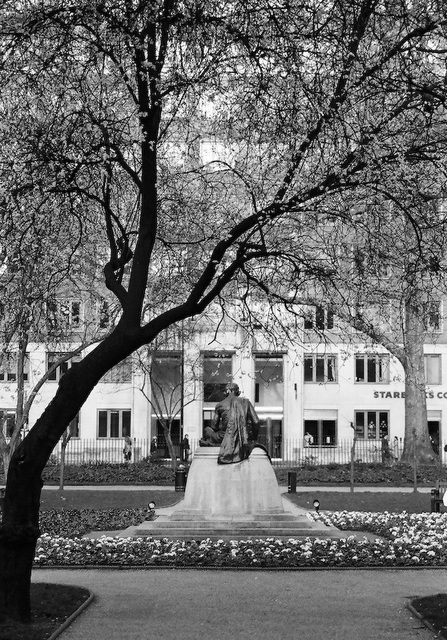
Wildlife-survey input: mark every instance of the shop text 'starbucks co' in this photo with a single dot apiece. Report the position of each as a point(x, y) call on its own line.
point(401, 394)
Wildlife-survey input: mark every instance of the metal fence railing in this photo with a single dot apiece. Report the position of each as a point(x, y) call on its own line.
point(284, 453)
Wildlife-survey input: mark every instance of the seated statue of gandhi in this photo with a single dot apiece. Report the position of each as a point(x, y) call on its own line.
point(235, 427)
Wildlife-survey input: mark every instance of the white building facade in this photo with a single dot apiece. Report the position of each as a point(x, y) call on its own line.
point(311, 396)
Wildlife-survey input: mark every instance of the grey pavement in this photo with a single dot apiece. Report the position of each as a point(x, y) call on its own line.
point(283, 488)
point(192, 604)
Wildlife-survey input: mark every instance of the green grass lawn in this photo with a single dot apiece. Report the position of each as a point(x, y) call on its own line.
point(329, 500)
point(363, 501)
point(101, 499)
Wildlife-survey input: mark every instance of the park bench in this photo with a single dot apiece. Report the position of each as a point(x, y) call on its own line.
point(437, 495)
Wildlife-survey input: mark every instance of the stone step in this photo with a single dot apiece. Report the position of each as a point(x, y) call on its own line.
point(297, 528)
point(200, 517)
point(234, 534)
point(223, 524)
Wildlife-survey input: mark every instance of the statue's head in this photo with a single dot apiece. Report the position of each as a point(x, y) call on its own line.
point(233, 388)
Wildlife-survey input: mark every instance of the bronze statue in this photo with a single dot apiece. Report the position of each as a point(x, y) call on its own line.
point(235, 427)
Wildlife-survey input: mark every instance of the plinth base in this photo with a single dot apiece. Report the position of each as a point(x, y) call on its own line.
point(241, 490)
point(232, 501)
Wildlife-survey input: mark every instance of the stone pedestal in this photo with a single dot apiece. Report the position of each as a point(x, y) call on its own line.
point(232, 501)
point(241, 490)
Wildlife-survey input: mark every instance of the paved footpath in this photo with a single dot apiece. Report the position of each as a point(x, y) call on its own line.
point(283, 488)
point(167, 604)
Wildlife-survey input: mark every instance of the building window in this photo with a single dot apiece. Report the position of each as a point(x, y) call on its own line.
point(162, 446)
point(367, 263)
point(432, 364)
point(104, 315)
point(319, 318)
point(269, 399)
point(122, 372)
point(166, 384)
point(217, 373)
point(62, 368)
point(114, 423)
point(432, 312)
point(7, 421)
point(64, 314)
point(73, 427)
point(320, 368)
point(370, 368)
point(320, 432)
point(371, 425)
point(269, 381)
point(9, 368)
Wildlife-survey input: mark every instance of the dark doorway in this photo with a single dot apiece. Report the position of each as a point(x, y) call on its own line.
point(433, 432)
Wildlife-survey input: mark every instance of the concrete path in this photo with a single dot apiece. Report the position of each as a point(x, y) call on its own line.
point(283, 488)
point(166, 604)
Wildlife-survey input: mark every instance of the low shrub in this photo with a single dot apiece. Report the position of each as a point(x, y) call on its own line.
point(74, 523)
point(364, 473)
point(147, 472)
point(144, 472)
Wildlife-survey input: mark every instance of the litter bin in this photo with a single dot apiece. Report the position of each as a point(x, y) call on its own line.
point(292, 482)
point(180, 478)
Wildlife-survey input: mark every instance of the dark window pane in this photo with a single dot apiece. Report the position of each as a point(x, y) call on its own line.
point(372, 370)
point(320, 370)
point(328, 427)
point(73, 428)
point(311, 426)
point(126, 424)
point(308, 369)
point(102, 424)
point(360, 369)
point(319, 318)
point(360, 424)
point(214, 392)
point(331, 370)
point(114, 424)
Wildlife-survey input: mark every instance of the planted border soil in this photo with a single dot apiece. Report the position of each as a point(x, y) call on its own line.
point(51, 605)
point(434, 610)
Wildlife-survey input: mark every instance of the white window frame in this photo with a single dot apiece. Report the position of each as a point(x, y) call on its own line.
point(120, 373)
point(63, 314)
point(312, 320)
point(381, 360)
point(63, 367)
point(10, 373)
point(10, 414)
point(109, 413)
point(377, 423)
point(429, 309)
point(326, 357)
point(438, 358)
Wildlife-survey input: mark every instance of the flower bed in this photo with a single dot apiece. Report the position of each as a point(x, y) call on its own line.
point(410, 540)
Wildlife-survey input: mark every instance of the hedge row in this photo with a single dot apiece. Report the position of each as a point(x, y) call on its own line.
point(150, 473)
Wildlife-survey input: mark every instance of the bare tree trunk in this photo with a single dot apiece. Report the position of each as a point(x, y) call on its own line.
point(416, 428)
point(352, 478)
point(170, 445)
point(65, 440)
point(19, 530)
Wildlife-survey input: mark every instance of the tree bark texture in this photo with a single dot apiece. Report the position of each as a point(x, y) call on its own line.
point(417, 442)
point(19, 530)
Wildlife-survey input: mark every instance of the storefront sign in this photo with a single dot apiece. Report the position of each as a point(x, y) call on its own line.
point(440, 395)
